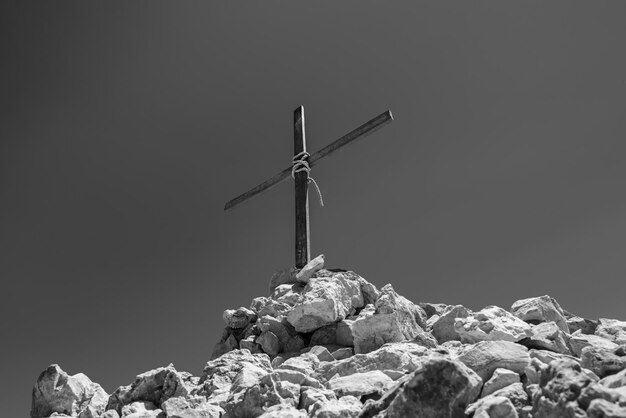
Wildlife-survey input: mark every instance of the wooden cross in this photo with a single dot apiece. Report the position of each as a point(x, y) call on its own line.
point(301, 178)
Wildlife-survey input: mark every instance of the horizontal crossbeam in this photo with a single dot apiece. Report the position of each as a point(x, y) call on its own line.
point(358, 133)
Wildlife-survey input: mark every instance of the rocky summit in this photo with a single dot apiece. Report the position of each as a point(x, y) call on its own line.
point(329, 344)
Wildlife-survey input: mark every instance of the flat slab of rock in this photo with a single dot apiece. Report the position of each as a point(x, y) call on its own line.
point(540, 309)
point(487, 356)
point(578, 341)
point(491, 324)
point(304, 275)
point(500, 379)
point(359, 384)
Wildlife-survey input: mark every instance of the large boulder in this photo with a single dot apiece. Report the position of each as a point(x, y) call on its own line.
point(499, 379)
point(57, 392)
point(487, 356)
point(491, 324)
point(326, 300)
point(540, 309)
point(392, 318)
point(439, 388)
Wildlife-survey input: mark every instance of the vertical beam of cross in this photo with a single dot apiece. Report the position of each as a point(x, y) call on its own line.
point(301, 178)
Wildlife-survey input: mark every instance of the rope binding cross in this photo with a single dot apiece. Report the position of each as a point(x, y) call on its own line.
point(301, 163)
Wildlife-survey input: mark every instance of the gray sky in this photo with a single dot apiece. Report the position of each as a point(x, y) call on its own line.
point(127, 126)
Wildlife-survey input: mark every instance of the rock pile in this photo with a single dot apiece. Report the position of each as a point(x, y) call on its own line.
point(330, 344)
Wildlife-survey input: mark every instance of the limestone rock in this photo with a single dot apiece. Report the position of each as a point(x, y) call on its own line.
point(443, 327)
point(403, 357)
point(180, 408)
point(600, 408)
point(284, 276)
point(492, 407)
point(359, 384)
point(137, 408)
point(155, 413)
point(250, 344)
point(515, 393)
point(345, 407)
point(56, 391)
point(597, 391)
point(540, 309)
point(613, 330)
point(392, 320)
point(269, 343)
point(288, 338)
point(254, 399)
point(309, 396)
point(601, 361)
point(219, 374)
point(325, 335)
point(343, 332)
point(491, 324)
point(306, 363)
point(615, 380)
point(560, 385)
point(585, 326)
point(432, 308)
point(283, 411)
point(238, 318)
point(321, 353)
point(548, 336)
point(325, 300)
point(304, 275)
point(547, 357)
point(296, 377)
point(342, 353)
point(440, 387)
point(500, 378)
point(228, 343)
point(487, 356)
point(154, 386)
point(265, 306)
point(578, 341)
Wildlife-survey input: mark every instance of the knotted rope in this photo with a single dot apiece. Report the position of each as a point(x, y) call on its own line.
point(301, 164)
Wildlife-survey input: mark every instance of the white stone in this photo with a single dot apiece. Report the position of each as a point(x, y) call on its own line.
point(359, 384)
point(578, 341)
point(491, 324)
point(304, 275)
point(540, 309)
point(500, 378)
point(613, 330)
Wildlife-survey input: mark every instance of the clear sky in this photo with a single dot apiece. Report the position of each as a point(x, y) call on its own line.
point(126, 126)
